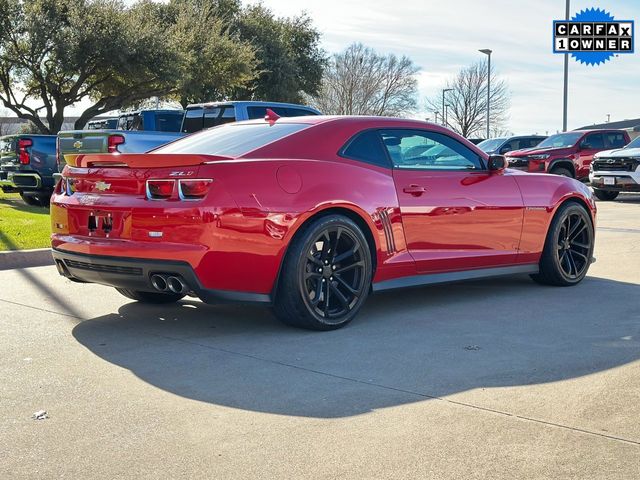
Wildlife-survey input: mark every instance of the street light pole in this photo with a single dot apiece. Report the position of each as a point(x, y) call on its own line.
point(443, 117)
point(488, 52)
point(565, 100)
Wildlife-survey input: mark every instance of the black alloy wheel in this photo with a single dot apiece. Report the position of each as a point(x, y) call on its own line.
point(574, 245)
point(333, 275)
point(568, 249)
point(326, 275)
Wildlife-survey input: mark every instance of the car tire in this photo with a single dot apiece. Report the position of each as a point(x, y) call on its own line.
point(568, 248)
point(605, 195)
point(564, 172)
point(150, 297)
point(36, 199)
point(326, 275)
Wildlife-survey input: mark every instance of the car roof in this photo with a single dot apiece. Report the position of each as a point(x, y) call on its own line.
point(249, 103)
point(166, 110)
point(368, 121)
point(596, 130)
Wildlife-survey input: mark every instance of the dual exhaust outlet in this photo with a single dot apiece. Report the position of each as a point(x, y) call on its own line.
point(169, 283)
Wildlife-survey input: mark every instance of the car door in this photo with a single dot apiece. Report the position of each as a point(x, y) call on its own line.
point(589, 146)
point(456, 214)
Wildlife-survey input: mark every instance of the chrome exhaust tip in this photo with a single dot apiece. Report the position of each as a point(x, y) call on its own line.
point(159, 282)
point(177, 285)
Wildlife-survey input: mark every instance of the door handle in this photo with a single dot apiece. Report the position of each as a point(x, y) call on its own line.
point(415, 190)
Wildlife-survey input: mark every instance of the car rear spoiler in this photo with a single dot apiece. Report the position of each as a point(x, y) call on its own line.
point(141, 160)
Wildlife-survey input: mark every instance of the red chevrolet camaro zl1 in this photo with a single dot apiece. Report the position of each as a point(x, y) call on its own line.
point(312, 214)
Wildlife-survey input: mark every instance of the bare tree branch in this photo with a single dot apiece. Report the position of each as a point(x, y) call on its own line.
point(467, 101)
point(359, 81)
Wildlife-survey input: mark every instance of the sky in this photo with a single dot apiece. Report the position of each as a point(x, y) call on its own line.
point(443, 36)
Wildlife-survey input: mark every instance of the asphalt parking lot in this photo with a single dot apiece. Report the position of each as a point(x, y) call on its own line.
point(489, 379)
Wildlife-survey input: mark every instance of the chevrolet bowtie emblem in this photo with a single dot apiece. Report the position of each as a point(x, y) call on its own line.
point(102, 186)
point(77, 144)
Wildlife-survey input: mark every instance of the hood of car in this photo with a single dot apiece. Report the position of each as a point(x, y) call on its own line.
point(619, 153)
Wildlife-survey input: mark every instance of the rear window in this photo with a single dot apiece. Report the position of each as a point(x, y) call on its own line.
point(232, 140)
point(7, 145)
point(130, 122)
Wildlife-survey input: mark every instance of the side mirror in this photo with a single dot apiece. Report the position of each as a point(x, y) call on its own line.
point(585, 146)
point(505, 149)
point(497, 163)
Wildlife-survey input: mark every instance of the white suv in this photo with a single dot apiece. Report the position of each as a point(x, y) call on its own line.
point(615, 171)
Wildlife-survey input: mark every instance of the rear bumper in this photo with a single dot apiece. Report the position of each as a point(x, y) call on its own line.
point(135, 274)
point(23, 180)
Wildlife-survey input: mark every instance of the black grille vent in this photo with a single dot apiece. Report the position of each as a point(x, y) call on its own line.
point(96, 267)
point(388, 230)
point(616, 165)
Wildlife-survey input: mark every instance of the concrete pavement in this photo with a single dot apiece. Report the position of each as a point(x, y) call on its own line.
point(491, 379)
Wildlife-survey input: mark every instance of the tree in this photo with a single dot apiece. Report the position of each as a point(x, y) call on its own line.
point(56, 53)
point(359, 81)
point(213, 61)
point(290, 61)
point(467, 101)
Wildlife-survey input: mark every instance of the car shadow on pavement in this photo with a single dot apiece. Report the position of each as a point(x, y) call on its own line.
point(405, 346)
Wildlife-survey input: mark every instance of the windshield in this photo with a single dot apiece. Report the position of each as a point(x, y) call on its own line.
point(232, 140)
point(491, 144)
point(561, 140)
point(634, 144)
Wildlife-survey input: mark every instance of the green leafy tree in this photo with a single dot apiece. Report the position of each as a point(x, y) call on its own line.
point(57, 53)
point(213, 61)
point(290, 61)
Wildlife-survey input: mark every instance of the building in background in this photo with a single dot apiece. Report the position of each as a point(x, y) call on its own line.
point(631, 126)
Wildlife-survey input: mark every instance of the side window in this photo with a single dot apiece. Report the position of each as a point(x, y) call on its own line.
point(168, 122)
point(228, 115)
point(256, 112)
point(615, 140)
point(210, 117)
point(299, 112)
point(424, 150)
point(594, 141)
point(366, 147)
point(192, 120)
point(507, 147)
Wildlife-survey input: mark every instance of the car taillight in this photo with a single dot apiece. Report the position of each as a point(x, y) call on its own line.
point(23, 155)
point(113, 141)
point(160, 189)
point(193, 189)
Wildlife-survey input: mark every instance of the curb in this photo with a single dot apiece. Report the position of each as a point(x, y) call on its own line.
point(25, 258)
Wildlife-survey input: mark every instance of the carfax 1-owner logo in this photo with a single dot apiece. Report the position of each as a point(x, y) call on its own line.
point(593, 36)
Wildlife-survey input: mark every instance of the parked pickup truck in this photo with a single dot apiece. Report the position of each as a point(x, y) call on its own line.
point(137, 131)
point(615, 171)
point(27, 165)
point(196, 117)
point(569, 154)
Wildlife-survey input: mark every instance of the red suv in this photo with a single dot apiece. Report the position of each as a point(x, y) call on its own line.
point(568, 154)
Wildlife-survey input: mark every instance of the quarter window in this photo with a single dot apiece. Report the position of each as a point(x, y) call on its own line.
point(423, 150)
point(367, 147)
